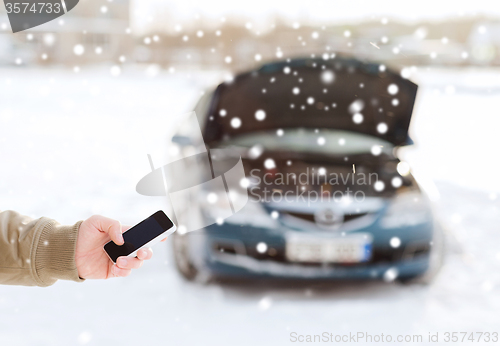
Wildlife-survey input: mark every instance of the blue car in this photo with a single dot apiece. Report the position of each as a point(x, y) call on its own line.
point(326, 196)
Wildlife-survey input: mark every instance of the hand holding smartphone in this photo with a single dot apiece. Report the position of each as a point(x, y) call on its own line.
point(145, 234)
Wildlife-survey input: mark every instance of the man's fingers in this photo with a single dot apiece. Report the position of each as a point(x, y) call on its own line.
point(109, 226)
point(129, 263)
point(118, 272)
point(124, 264)
point(145, 254)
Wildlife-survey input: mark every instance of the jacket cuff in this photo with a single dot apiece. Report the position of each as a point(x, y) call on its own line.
point(54, 253)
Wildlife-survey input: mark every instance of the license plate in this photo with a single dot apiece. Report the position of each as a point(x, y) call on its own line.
point(348, 249)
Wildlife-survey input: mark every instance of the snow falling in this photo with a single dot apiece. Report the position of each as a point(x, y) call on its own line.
point(235, 122)
point(102, 102)
point(260, 115)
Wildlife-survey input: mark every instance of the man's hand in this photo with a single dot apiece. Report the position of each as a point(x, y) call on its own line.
point(91, 260)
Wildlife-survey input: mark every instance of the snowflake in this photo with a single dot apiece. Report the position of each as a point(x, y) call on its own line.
point(357, 118)
point(236, 122)
point(212, 197)
point(395, 242)
point(255, 151)
point(244, 183)
point(84, 338)
point(396, 182)
point(379, 186)
point(382, 128)
point(376, 150)
point(265, 303)
point(356, 106)
point(269, 164)
point(327, 76)
point(115, 71)
point(391, 274)
point(78, 49)
point(260, 115)
point(392, 89)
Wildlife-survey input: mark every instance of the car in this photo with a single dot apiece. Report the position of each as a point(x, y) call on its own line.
point(328, 197)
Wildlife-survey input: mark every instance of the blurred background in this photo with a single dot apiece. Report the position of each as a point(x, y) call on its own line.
point(86, 97)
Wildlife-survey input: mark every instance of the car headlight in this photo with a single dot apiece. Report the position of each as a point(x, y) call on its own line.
point(406, 209)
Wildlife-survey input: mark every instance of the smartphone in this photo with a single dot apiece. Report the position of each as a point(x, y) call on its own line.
point(146, 233)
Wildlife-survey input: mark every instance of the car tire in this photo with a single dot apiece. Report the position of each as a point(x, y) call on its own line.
point(413, 279)
point(182, 257)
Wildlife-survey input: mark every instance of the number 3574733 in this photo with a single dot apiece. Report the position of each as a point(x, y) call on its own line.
point(33, 7)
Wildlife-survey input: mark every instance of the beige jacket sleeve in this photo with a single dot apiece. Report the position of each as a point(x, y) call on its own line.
point(36, 252)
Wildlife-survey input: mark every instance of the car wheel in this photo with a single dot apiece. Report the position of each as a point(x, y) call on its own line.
point(413, 279)
point(182, 258)
point(436, 260)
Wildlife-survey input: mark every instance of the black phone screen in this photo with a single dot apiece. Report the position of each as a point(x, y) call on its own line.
point(139, 235)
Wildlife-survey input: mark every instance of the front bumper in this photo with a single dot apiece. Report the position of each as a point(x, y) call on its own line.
point(239, 266)
point(230, 251)
point(238, 259)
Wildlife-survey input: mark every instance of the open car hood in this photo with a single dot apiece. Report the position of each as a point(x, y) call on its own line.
point(338, 93)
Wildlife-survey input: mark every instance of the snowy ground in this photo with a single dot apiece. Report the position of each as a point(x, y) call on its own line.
point(73, 145)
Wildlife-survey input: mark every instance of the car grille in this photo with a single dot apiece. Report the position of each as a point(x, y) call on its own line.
point(277, 254)
point(310, 217)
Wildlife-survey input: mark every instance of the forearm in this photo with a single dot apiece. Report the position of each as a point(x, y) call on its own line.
point(36, 252)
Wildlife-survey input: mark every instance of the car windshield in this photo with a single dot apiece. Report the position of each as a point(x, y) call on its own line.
point(331, 142)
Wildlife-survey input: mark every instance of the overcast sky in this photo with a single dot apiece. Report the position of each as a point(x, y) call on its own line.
point(312, 11)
